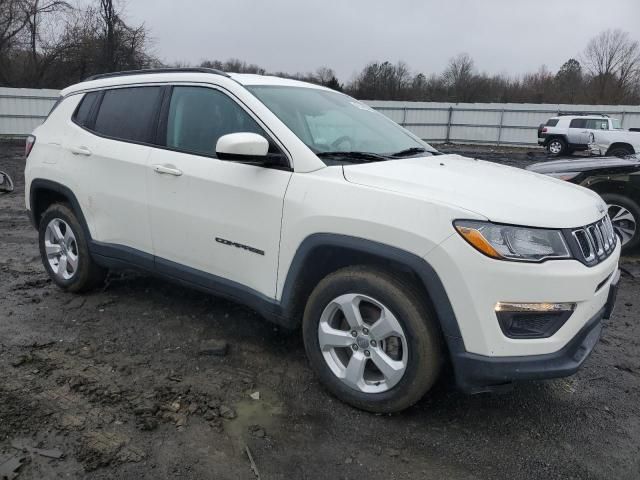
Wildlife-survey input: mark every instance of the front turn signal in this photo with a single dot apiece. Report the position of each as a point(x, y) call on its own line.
point(477, 240)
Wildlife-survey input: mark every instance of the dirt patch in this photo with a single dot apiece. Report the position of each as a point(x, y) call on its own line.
point(117, 382)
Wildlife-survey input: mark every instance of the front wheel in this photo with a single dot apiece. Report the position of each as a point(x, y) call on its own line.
point(65, 252)
point(624, 214)
point(371, 339)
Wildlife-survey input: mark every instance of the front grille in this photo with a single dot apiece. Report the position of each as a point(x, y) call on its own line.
point(596, 241)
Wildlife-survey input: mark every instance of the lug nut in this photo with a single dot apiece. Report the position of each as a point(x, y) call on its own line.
point(367, 353)
point(365, 331)
point(354, 346)
point(373, 343)
point(354, 333)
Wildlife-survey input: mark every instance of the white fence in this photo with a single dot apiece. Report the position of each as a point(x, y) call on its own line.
point(489, 123)
point(21, 110)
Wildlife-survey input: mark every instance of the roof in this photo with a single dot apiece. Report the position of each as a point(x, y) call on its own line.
point(189, 75)
point(248, 79)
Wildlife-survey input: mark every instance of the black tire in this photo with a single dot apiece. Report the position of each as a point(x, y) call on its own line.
point(614, 200)
point(423, 337)
point(557, 147)
point(88, 274)
point(619, 152)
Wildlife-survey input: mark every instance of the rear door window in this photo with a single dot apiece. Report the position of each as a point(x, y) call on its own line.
point(578, 123)
point(128, 113)
point(597, 124)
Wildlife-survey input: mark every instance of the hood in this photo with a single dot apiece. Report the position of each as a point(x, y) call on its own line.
point(499, 193)
point(587, 165)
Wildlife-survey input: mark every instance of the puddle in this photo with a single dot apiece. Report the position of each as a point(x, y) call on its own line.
point(265, 412)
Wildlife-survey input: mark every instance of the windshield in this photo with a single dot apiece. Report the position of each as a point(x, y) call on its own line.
point(615, 123)
point(334, 124)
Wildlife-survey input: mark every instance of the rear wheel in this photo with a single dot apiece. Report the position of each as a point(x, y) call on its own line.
point(557, 146)
point(371, 339)
point(65, 252)
point(624, 214)
point(619, 152)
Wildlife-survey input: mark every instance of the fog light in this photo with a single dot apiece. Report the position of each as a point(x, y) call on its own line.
point(532, 320)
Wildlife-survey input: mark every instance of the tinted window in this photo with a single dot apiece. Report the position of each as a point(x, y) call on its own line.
point(84, 109)
point(199, 116)
point(578, 123)
point(128, 113)
point(552, 122)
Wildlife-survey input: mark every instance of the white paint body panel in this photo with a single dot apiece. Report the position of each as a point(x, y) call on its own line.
point(500, 193)
point(218, 199)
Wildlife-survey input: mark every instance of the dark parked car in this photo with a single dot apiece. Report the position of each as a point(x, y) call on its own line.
point(617, 180)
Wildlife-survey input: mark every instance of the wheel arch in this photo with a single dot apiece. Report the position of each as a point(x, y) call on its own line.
point(323, 253)
point(624, 145)
point(611, 185)
point(554, 136)
point(44, 193)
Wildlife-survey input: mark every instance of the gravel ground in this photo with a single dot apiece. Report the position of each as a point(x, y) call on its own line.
point(111, 385)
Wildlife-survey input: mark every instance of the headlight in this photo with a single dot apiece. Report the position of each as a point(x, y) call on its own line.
point(507, 242)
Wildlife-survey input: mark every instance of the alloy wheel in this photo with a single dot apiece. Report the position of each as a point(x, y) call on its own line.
point(555, 147)
point(623, 221)
point(363, 343)
point(61, 249)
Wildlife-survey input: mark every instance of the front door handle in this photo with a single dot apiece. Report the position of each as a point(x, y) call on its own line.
point(167, 169)
point(80, 150)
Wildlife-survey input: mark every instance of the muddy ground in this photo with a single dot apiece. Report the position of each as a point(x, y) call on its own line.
point(113, 384)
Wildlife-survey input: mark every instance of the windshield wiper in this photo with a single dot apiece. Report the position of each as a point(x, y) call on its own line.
point(361, 156)
point(409, 151)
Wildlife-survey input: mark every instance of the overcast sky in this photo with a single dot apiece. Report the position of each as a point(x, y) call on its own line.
point(503, 36)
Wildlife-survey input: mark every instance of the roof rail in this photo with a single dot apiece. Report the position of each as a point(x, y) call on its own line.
point(582, 114)
point(157, 70)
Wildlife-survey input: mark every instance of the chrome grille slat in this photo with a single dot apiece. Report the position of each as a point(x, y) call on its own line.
point(596, 241)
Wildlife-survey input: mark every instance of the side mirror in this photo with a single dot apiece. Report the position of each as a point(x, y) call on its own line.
point(243, 146)
point(6, 184)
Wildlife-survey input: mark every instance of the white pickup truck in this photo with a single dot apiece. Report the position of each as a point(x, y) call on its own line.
point(564, 134)
point(617, 143)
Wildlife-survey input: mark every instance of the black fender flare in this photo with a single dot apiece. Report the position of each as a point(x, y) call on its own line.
point(40, 184)
point(425, 272)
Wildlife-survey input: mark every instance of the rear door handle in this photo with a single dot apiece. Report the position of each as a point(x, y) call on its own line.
point(80, 150)
point(167, 169)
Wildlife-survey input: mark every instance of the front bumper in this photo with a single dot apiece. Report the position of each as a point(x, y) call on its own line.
point(478, 373)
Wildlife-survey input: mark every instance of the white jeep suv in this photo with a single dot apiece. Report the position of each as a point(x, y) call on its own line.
point(316, 211)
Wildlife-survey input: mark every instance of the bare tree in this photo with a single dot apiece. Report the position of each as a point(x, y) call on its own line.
point(613, 59)
point(109, 21)
point(458, 77)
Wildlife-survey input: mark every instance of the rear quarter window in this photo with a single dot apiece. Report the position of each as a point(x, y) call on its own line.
point(552, 122)
point(82, 115)
point(128, 113)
